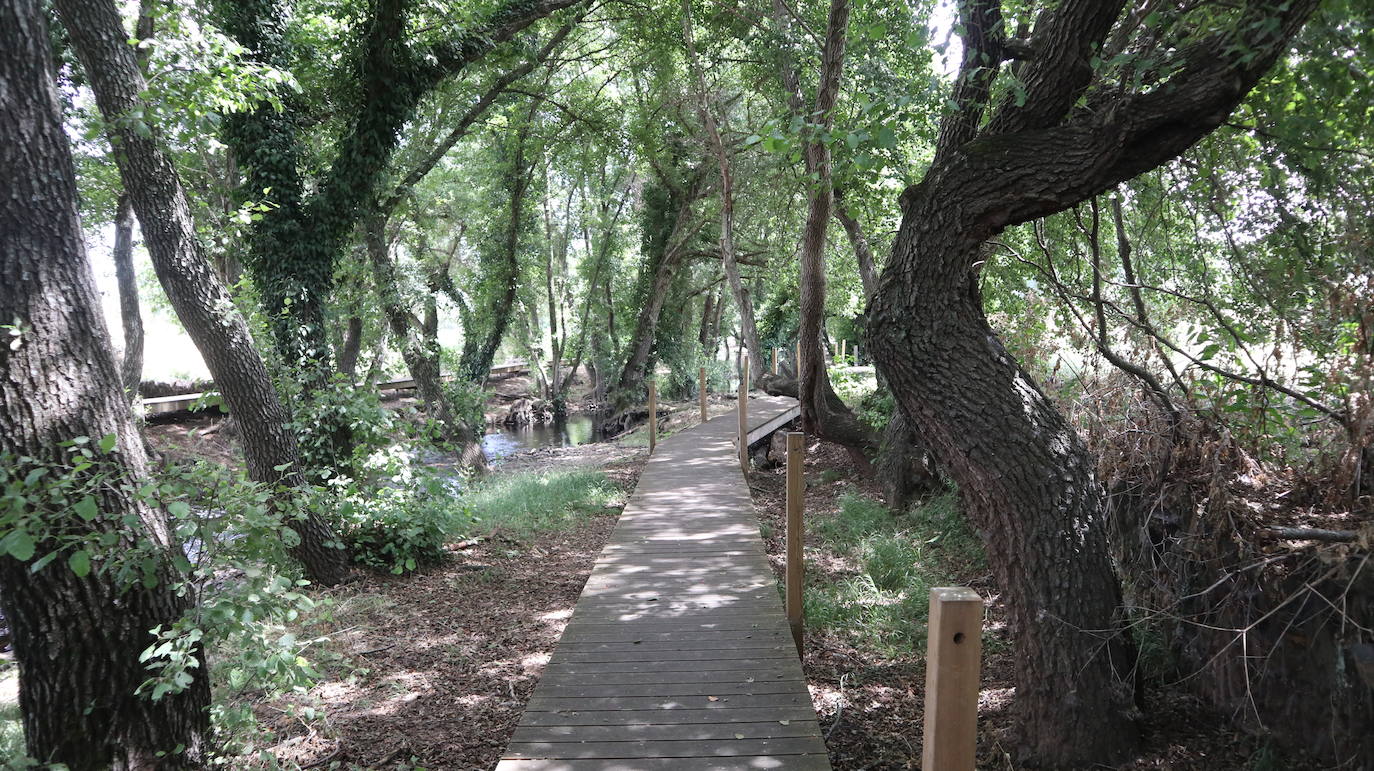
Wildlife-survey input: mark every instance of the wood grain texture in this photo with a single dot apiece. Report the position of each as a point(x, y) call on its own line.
point(678, 655)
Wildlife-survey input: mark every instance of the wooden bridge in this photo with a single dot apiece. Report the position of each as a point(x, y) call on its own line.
point(160, 405)
point(678, 655)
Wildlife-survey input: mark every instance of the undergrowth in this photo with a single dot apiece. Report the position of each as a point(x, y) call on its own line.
point(896, 558)
point(521, 505)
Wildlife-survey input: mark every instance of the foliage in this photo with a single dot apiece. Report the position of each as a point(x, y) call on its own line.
point(524, 504)
point(402, 513)
point(896, 557)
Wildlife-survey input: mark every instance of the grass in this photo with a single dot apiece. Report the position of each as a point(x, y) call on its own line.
point(897, 558)
point(528, 503)
point(11, 722)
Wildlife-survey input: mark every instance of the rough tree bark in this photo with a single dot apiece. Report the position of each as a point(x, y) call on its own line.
point(200, 299)
point(131, 362)
point(77, 638)
point(1026, 478)
point(351, 347)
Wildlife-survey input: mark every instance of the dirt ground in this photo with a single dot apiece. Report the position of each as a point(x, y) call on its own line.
point(871, 705)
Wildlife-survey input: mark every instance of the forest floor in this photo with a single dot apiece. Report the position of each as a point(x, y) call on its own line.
point(867, 679)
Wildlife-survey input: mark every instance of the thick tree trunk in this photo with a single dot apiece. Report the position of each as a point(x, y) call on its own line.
point(131, 365)
point(201, 301)
point(1026, 481)
point(1025, 476)
point(77, 637)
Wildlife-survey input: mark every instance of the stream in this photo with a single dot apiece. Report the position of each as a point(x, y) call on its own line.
point(506, 440)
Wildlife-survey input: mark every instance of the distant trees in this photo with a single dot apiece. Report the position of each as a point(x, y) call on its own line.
point(71, 466)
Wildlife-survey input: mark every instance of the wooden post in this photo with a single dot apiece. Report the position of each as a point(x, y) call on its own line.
point(796, 490)
point(842, 342)
point(775, 361)
point(798, 359)
point(744, 420)
point(701, 391)
point(653, 417)
point(954, 646)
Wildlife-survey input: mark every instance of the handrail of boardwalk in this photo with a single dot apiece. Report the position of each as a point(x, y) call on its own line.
point(159, 405)
point(677, 654)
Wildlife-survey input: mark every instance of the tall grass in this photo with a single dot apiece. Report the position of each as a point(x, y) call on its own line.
point(522, 505)
point(897, 557)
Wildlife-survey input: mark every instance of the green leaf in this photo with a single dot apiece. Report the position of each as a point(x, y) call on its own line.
point(86, 508)
point(19, 544)
point(107, 442)
point(80, 563)
point(179, 509)
point(42, 562)
point(887, 138)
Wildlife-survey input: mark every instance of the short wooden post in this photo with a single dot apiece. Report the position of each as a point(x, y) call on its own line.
point(775, 361)
point(796, 491)
point(842, 342)
point(798, 359)
point(954, 646)
point(653, 417)
point(744, 420)
point(701, 391)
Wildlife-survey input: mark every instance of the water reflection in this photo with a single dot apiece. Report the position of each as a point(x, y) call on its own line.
point(505, 440)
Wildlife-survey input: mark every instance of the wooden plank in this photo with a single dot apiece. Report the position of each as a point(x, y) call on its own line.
point(633, 632)
point(788, 763)
point(799, 745)
point(539, 703)
point(776, 652)
point(666, 677)
point(626, 717)
point(627, 690)
point(614, 667)
point(769, 729)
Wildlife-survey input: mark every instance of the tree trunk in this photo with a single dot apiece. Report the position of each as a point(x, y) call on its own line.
point(823, 414)
point(131, 365)
point(77, 637)
point(419, 351)
point(201, 301)
point(1026, 481)
point(1025, 476)
point(743, 303)
point(479, 348)
point(352, 346)
point(863, 252)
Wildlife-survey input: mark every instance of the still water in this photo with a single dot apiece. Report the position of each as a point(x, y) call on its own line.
point(504, 440)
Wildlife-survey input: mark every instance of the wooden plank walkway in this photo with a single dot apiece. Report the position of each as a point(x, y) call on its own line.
point(677, 655)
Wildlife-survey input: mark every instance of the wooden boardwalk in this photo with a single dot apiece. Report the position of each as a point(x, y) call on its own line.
point(677, 655)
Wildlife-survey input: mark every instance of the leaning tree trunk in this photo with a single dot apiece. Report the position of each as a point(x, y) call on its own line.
point(1026, 481)
point(77, 629)
point(201, 301)
point(1024, 474)
point(131, 364)
point(823, 413)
